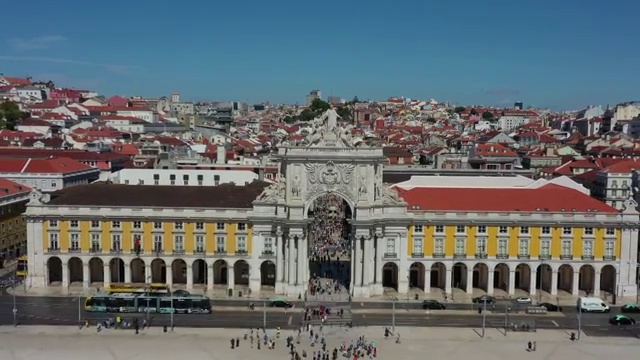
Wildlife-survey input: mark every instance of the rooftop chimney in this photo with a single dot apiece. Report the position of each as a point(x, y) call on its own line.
point(221, 153)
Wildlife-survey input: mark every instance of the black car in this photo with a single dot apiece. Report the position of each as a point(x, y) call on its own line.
point(621, 320)
point(551, 307)
point(281, 304)
point(433, 305)
point(484, 299)
point(630, 308)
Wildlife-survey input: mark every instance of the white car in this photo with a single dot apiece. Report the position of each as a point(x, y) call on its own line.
point(524, 300)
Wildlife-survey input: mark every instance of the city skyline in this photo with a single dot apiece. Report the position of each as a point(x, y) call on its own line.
point(463, 53)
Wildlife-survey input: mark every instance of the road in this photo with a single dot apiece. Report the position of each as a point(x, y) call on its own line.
point(64, 311)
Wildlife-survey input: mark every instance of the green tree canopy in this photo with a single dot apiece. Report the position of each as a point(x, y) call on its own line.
point(318, 106)
point(459, 109)
point(10, 114)
point(473, 112)
point(487, 115)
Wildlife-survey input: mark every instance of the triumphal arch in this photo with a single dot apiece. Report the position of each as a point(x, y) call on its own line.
point(329, 163)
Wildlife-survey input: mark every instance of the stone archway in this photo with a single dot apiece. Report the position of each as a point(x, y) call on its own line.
point(268, 273)
point(241, 273)
point(390, 275)
point(96, 270)
point(481, 276)
point(587, 279)
point(76, 274)
point(199, 268)
point(158, 271)
point(608, 279)
point(137, 271)
point(523, 277)
point(179, 271)
point(544, 277)
point(117, 271)
point(459, 276)
point(220, 272)
point(565, 278)
point(54, 270)
point(416, 276)
point(438, 275)
point(501, 277)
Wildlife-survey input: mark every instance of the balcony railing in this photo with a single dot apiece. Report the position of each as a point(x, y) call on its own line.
point(158, 250)
point(459, 256)
point(53, 249)
point(544, 257)
point(200, 251)
point(220, 252)
point(178, 251)
point(608, 258)
point(95, 250)
point(116, 250)
point(268, 253)
point(587, 257)
point(525, 257)
point(566, 257)
point(438, 255)
point(241, 252)
point(138, 251)
point(502, 256)
point(417, 255)
point(75, 250)
point(481, 255)
point(390, 255)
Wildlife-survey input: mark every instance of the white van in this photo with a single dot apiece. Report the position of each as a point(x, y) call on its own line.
point(592, 304)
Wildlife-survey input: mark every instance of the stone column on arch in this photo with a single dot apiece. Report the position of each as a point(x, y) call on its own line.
point(469, 281)
point(189, 276)
point(65, 275)
point(596, 283)
point(554, 282)
point(575, 288)
point(512, 282)
point(86, 275)
point(210, 277)
point(106, 271)
point(533, 275)
point(280, 273)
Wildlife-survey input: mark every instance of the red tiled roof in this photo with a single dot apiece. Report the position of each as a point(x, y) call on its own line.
point(58, 165)
point(623, 167)
point(493, 150)
point(46, 104)
point(9, 188)
point(34, 122)
point(17, 81)
point(549, 198)
point(80, 155)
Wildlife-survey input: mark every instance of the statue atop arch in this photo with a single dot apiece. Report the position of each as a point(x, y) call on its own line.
point(326, 132)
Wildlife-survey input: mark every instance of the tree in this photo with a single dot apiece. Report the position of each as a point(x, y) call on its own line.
point(10, 114)
point(487, 115)
point(431, 120)
point(288, 119)
point(459, 109)
point(306, 115)
point(473, 112)
point(355, 100)
point(344, 113)
point(318, 106)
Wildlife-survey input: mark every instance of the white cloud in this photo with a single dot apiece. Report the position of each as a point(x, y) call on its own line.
point(36, 43)
point(114, 68)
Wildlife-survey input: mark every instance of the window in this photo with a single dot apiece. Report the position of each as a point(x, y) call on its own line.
point(185, 179)
point(391, 246)
point(74, 240)
point(178, 243)
point(200, 179)
point(587, 249)
point(566, 230)
point(137, 225)
point(545, 248)
point(481, 246)
point(220, 244)
point(439, 229)
point(268, 245)
point(609, 249)
point(157, 225)
point(116, 243)
point(242, 227)
point(199, 226)
point(566, 248)
point(610, 231)
point(546, 230)
point(53, 223)
point(241, 244)
point(460, 229)
point(199, 244)
point(220, 226)
point(115, 224)
point(418, 229)
point(588, 231)
point(417, 246)
point(503, 230)
point(524, 229)
point(137, 244)
point(53, 242)
point(523, 249)
point(172, 179)
point(178, 225)
point(157, 243)
point(95, 242)
point(502, 247)
point(73, 224)
point(438, 246)
point(460, 244)
point(482, 229)
point(95, 224)
point(156, 179)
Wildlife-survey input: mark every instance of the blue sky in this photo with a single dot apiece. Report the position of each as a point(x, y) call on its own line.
point(558, 54)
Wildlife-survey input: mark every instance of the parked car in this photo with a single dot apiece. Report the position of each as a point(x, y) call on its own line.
point(281, 304)
point(484, 299)
point(524, 300)
point(621, 320)
point(551, 307)
point(630, 308)
point(433, 305)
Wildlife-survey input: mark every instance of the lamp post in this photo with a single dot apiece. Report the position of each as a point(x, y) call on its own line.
point(484, 317)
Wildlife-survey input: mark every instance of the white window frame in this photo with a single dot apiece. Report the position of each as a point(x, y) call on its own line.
point(242, 226)
point(461, 246)
point(524, 247)
point(391, 246)
point(74, 238)
point(241, 244)
point(503, 250)
point(418, 229)
point(116, 225)
point(439, 229)
point(461, 229)
point(609, 248)
point(137, 224)
point(116, 239)
point(200, 226)
point(178, 225)
point(589, 231)
point(503, 230)
point(53, 223)
point(221, 226)
point(481, 246)
point(566, 247)
point(482, 229)
point(74, 224)
point(221, 244)
point(95, 224)
point(417, 246)
point(524, 230)
point(545, 230)
point(438, 246)
point(96, 241)
point(268, 244)
point(587, 248)
point(545, 247)
point(610, 231)
point(566, 230)
point(200, 243)
point(158, 239)
point(54, 241)
point(178, 243)
point(157, 225)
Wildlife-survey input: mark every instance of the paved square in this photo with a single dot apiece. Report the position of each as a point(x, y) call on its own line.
point(40, 343)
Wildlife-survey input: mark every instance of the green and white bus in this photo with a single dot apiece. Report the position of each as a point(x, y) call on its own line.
point(133, 303)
